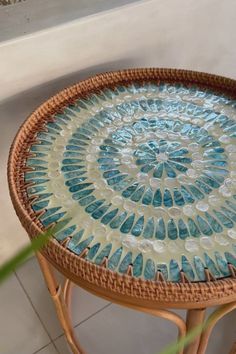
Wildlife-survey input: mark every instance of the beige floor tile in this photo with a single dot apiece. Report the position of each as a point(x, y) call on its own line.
point(83, 303)
point(117, 330)
point(21, 331)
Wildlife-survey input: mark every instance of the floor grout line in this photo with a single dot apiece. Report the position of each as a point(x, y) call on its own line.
point(86, 319)
point(45, 346)
point(37, 314)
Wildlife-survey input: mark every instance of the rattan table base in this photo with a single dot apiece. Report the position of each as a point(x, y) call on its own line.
point(128, 281)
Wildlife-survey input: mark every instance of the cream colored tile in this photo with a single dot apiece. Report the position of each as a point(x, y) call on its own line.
point(50, 349)
point(21, 331)
point(83, 303)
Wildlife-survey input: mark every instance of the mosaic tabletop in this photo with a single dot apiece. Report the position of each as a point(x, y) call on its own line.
point(146, 174)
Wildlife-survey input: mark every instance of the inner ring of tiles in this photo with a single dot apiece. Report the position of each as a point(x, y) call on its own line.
point(146, 175)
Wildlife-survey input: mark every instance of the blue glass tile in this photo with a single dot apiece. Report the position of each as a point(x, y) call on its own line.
point(138, 265)
point(115, 259)
point(149, 270)
point(127, 260)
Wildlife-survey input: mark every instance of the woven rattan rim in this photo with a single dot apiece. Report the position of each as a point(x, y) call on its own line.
point(98, 279)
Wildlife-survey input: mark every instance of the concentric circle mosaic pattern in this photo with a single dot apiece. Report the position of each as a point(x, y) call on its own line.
point(147, 176)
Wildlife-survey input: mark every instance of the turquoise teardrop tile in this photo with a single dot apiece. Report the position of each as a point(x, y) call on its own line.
point(231, 204)
point(130, 190)
point(223, 219)
point(211, 266)
point(32, 162)
point(158, 171)
point(31, 175)
point(117, 179)
point(203, 187)
point(230, 258)
point(114, 260)
point(82, 245)
point(213, 223)
point(138, 265)
point(82, 194)
point(69, 168)
point(109, 216)
point(74, 181)
point(119, 219)
point(199, 267)
point(40, 205)
point(111, 173)
point(94, 206)
point(157, 199)
point(43, 196)
point(147, 197)
point(149, 228)
point(93, 251)
point(230, 214)
point(127, 225)
point(87, 200)
point(79, 187)
point(98, 213)
point(72, 154)
point(204, 226)
point(36, 190)
point(222, 264)
point(160, 229)
point(74, 174)
point(172, 230)
point(187, 269)
point(169, 170)
point(183, 230)
point(219, 163)
point(181, 159)
point(138, 227)
point(61, 235)
point(71, 161)
point(49, 212)
point(187, 195)
point(127, 260)
point(104, 253)
point(196, 192)
point(75, 239)
point(137, 195)
point(179, 152)
point(163, 269)
point(193, 229)
point(178, 166)
point(210, 181)
point(167, 198)
point(174, 271)
point(51, 219)
point(149, 270)
point(147, 168)
point(178, 197)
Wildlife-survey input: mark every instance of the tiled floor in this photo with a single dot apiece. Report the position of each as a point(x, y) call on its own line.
point(28, 324)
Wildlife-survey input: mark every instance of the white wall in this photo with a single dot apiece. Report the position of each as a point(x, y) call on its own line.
point(192, 34)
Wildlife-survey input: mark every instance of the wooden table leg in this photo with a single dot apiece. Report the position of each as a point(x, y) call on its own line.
point(194, 318)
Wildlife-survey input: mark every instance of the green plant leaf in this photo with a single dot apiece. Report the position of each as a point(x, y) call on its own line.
point(36, 244)
point(183, 342)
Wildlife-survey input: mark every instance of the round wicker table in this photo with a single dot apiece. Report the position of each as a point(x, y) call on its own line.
point(141, 164)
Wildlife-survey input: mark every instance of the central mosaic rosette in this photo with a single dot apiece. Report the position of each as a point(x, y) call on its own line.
point(147, 176)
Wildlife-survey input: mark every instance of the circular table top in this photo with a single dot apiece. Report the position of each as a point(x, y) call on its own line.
point(145, 171)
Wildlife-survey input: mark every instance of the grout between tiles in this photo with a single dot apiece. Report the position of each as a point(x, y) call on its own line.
point(45, 346)
point(86, 319)
point(37, 314)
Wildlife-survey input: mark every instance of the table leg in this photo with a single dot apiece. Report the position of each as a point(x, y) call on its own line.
point(60, 303)
point(212, 320)
point(194, 318)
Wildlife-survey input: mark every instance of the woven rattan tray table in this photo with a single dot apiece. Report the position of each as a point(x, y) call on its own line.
point(141, 164)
